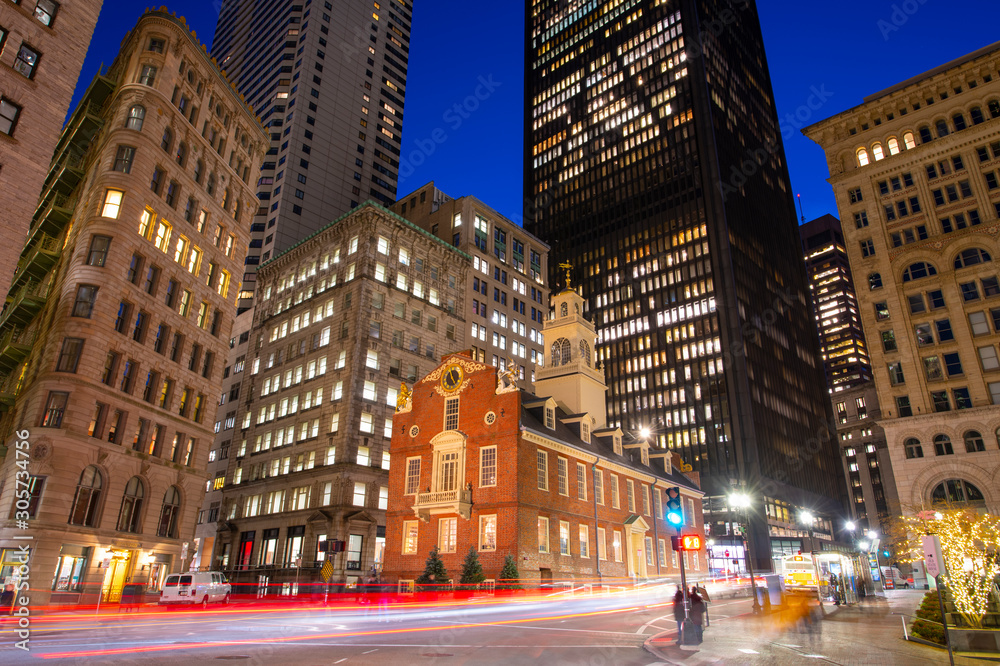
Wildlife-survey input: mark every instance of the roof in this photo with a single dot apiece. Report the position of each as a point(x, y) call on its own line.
point(533, 420)
point(957, 62)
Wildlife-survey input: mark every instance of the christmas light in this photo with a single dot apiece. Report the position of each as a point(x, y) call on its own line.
point(969, 543)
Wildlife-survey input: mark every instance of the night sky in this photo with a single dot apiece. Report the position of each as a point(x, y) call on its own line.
point(846, 49)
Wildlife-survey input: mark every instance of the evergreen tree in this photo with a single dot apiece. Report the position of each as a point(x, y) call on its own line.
point(509, 575)
point(472, 571)
point(434, 576)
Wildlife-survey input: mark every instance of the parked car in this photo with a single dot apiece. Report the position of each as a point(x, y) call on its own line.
point(197, 587)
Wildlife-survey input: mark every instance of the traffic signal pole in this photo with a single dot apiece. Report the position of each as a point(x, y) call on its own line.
point(684, 587)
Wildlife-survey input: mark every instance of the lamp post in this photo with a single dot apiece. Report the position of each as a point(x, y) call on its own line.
point(809, 519)
point(741, 501)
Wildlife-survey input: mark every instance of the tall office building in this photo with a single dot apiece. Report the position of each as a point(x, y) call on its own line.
point(329, 83)
point(916, 171)
point(112, 337)
point(506, 297)
point(867, 465)
point(42, 45)
point(654, 164)
point(343, 318)
point(834, 304)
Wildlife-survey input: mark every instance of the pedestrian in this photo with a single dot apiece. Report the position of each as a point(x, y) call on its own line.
point(697, 615)
point(383, 601)
point(7, 598)
point(834, 589)
point(703, 593)
point(679, 614)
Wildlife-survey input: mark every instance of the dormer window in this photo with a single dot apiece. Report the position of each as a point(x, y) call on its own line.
point(585, 431)
point(550, 418)
point(645, 456)
point(451, 414)
point(618, 444)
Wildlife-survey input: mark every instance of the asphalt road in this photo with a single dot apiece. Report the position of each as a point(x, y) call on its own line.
point(594, 630)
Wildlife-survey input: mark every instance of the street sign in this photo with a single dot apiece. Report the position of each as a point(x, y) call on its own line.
point(327, 571)
point(932, 555)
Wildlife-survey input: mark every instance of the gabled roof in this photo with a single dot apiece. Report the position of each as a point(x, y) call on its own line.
point(533, 420)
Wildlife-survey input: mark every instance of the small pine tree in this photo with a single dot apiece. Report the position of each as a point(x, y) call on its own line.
point(472, 571)
point(434, 576)
point(929, 610)
point(509, 575)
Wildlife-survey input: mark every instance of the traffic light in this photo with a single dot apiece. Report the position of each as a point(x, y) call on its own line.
point(686, 542)
point(675, 514)
point(886, 554)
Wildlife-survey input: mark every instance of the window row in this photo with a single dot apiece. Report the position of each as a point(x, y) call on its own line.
point(943, 447)
point(88, 505)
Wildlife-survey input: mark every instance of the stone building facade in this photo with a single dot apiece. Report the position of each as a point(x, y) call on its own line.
point(116, 322)
point(341, 321)
point(916, 173)
point(42, 47)
point(479, 463)
point(507, 295)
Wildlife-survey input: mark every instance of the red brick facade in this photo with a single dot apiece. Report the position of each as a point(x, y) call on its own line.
point(515, 423)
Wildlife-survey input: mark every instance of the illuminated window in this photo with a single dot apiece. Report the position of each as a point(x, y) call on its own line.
point(112, 204)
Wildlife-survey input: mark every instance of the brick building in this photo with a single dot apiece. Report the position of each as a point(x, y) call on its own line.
point(42, 47)
point(477, 462)
point(116, 322)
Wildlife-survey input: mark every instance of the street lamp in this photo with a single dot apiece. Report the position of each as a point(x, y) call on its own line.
point(742, 502)
point(850, 526)
point(809, 519)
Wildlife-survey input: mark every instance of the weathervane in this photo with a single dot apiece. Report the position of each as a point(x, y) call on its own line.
point(566, 266)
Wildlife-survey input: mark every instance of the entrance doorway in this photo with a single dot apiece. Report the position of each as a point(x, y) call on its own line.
point(119, 571)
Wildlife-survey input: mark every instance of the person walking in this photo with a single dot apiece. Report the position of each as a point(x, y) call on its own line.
point(7, 598)
point(697, 616)
point(679, 615)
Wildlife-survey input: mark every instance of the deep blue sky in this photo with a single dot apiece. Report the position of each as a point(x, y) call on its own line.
point(849, 48)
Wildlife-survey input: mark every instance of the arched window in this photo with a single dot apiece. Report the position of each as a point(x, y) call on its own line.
point(210, 187)
point(875, 281)
point(976, 114)
point(920, 269)
point(942, 445)
point(893, 144)
point(862, 157)
point(959, 121)
point(908, 141)
point(994, 107)
point(925, 134)
point(563, 310)
point(974, 441)
point(585, 353)
point(87, 499)
point(941, 127)
point(560, 352)
point(913, 448)
point(168, 139)
point(182, 153)
point(956, 491)
point(167, 526)
point(128, 516)
point(135, 117)
point(971, 257)
point(877, 151)
point(199, 171)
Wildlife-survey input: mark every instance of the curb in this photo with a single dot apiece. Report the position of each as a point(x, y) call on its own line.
point(649, 646)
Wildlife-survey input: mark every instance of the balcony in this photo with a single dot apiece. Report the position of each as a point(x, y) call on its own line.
point(15, 345)
point(52, 215)
point(37, 259)
point(24, 304)
point(9, 386)
point(445, 501)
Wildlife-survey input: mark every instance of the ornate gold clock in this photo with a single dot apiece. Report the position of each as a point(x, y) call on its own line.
point(451, 379)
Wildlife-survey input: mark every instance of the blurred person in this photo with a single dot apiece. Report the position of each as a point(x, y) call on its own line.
point(7, 598)
point(703, 593)
point(696, 617)
point(679, 614)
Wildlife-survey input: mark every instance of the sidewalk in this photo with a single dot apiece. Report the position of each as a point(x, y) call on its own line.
point(866, 634)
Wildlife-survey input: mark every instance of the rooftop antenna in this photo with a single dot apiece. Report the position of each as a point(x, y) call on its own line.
point(802, 217)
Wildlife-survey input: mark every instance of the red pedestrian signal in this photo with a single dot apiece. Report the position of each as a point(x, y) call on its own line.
point(690, 542)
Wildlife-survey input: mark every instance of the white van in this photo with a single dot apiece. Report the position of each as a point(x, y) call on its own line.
point(898, 580)
point(196, 587)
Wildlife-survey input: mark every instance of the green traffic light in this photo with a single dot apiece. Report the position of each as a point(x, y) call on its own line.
point(674, 518)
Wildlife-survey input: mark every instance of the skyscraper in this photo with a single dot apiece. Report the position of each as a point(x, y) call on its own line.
point(42, 46)
point(112, 338)
point(867, 464)
point(329, 83)
point(654, 164)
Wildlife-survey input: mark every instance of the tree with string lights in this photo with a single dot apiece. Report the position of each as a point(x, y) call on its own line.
point(970, 545)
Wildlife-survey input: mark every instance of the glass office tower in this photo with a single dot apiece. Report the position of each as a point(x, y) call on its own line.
point(654, 165)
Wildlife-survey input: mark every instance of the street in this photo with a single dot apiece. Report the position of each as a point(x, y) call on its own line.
point(596, 630)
